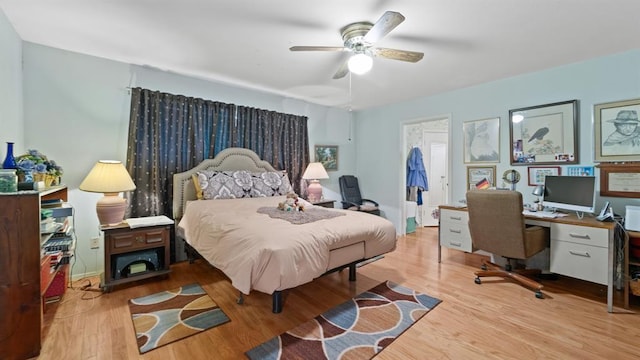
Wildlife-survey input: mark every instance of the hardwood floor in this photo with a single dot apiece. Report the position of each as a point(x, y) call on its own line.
point(495, 320)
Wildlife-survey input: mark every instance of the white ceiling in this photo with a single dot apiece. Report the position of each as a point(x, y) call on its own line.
point(246, 42)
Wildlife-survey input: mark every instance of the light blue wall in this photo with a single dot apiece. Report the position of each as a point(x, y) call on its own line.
point(76, 111)
point(606, 79)
point(11, 128)
point(75, 108)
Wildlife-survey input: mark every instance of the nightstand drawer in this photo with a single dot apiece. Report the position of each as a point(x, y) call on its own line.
point(132, 240)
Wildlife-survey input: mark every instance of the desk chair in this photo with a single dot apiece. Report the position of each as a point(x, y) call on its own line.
point(496, 225)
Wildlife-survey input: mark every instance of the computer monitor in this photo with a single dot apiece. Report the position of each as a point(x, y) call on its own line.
point(577, 193)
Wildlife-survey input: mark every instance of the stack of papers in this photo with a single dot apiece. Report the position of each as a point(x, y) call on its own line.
point(540, 214)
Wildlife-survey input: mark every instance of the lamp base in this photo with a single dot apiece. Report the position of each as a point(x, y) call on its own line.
point(111, 209)
point(314, 191)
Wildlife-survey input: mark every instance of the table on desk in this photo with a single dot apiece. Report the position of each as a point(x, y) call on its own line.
point(580, 248)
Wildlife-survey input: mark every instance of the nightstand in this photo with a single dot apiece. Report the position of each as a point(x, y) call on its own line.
point(134, 254)
point(324, 203)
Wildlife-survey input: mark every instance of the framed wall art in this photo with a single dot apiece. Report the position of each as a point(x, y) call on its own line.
point(617, 131)
point(580, 171)
point(481, 141)
point(537, 173)
point(620, 180)
point(476, 174)
point(544, 134)
point(327, 155)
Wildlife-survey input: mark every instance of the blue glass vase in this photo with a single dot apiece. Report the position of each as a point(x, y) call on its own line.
point(9, 160)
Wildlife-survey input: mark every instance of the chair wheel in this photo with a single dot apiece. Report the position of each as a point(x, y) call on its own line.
point(484, 267)
point(539, 294)
point(477, 281)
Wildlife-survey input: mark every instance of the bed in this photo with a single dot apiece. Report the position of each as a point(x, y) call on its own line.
point(261, 247)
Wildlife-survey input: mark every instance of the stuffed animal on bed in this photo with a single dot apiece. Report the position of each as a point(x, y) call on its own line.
point(291, 203)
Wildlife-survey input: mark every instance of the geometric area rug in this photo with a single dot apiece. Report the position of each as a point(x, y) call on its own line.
point(168, 316)
point(356, 329)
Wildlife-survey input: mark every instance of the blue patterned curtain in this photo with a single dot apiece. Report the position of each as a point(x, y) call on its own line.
point(173, 133)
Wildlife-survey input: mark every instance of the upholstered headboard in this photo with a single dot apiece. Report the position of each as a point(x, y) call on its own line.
point(227, 160)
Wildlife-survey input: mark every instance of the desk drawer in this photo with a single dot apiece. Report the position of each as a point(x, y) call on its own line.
point(580, 234)
point(454, 230)
point(579, 261)
point(455, 236)
point(454, 216)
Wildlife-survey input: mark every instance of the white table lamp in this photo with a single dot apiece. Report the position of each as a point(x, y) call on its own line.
point(314, 172)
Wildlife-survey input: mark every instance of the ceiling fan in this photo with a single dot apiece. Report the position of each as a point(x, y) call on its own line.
point(360, 38)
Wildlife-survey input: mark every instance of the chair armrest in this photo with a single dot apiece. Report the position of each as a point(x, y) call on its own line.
point(371, 201)
point(348, 204)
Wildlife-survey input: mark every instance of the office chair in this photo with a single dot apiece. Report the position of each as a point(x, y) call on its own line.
point(496, 225)
point(351, 198)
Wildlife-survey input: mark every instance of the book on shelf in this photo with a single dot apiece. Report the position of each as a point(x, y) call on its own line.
point(50, 203)
point(47, 227)
point(58, 244)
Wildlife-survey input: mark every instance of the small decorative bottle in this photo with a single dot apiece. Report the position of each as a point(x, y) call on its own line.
point(9, 160)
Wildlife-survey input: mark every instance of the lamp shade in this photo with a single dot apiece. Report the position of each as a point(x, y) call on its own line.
point(538, 190)
point(109, 177)
point(315, 171)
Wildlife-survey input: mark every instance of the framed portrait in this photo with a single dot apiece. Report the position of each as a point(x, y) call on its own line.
point(327, 155)
point(617, 131)
point(476, 174)
point(481, 141)
point(544, 134)
point(537, 173)
point(620, 180)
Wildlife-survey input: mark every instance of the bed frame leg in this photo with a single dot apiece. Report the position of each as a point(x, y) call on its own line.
point(352, 272)
point(240, 299)
point(277, 302)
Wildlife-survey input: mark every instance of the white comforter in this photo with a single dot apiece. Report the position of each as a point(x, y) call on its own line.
point(260, 253)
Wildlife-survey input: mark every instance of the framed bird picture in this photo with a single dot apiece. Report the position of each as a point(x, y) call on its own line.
point(544, 134)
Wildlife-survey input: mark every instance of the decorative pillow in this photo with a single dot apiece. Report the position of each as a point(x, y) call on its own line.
point(271, 183)
point(223, 184)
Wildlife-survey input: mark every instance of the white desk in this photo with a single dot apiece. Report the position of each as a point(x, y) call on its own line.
point(579, 248)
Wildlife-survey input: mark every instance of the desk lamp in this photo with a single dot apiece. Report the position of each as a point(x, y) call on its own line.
point(539, 192)
point(314, 172)
point(109, 177)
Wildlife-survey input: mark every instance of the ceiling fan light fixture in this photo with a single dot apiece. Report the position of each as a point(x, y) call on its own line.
point(360, 63)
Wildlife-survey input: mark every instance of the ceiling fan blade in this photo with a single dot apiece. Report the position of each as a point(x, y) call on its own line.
point(387, 22)
point(318, 48)
point(342, 71)
point(403, 55)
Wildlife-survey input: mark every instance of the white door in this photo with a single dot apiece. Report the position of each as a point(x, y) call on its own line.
point(436, 165)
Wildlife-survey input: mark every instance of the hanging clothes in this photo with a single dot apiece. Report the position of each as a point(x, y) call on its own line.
point(416, 180)
point(416, 173)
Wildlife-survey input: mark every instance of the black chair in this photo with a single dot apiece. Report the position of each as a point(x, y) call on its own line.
point(351, 198)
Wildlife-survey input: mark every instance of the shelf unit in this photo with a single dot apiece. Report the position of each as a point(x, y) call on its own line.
point(630, 262)
point(21, 272)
